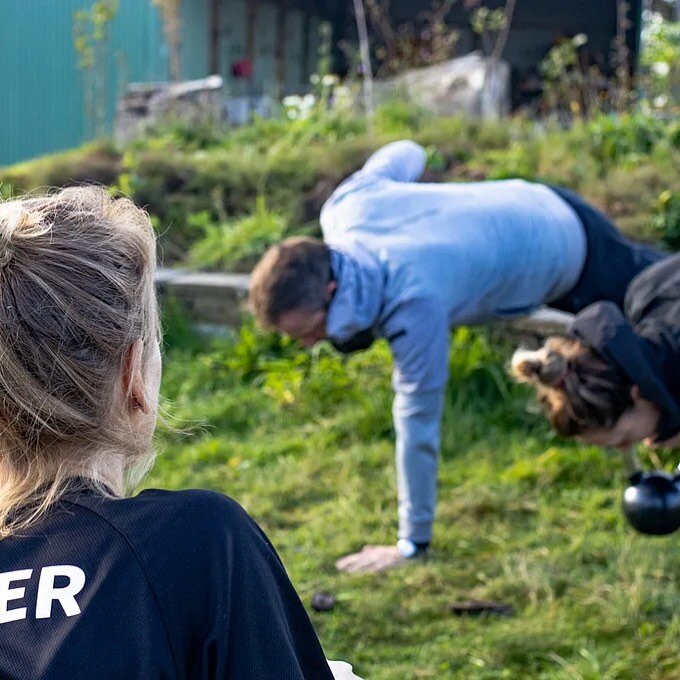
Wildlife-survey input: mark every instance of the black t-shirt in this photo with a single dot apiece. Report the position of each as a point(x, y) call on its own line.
point(163, 585)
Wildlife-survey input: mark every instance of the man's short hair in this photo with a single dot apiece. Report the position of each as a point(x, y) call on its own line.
point(291, 275)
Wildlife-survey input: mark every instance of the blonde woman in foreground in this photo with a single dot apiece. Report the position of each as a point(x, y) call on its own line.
point(616, 380)
point(92, 584)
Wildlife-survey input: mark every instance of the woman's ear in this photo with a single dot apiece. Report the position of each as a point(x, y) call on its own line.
point(133, 378)
point(330, 289)
point(635, 394)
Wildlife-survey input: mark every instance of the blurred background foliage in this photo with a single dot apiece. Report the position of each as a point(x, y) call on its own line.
point(219, 198)
point(304, 439)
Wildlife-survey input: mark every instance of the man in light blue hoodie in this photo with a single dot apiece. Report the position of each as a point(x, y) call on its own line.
point(406, 261)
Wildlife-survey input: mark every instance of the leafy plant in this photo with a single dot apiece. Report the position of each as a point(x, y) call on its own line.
point(666, 219)
point(398, 117)
point(520, 160)
point(91, 29)
point(660, 59)
point(612, 138)
point(192, 178)
point(428, 41)
point(572, 88)
point(232, 243)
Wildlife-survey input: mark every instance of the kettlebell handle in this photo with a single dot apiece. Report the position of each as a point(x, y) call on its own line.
point(651, 502)
point(631, 462)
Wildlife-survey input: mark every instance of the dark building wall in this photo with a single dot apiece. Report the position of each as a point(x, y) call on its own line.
point(537, 25)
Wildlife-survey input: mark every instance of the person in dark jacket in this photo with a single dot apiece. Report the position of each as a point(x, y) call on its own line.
point(615, 381)
point(92, 584)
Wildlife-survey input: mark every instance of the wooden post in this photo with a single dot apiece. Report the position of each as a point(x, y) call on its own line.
point(281, 43)
point(251, 18)
point(306, 43)
point(214, 65)
point(367, 72)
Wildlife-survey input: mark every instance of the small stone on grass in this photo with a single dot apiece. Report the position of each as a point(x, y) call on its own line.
point(477, 607)
point(322, 601)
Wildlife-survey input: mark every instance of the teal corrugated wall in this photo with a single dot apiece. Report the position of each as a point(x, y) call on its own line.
point(41, 89)
point(42, 105)
point(195, 48)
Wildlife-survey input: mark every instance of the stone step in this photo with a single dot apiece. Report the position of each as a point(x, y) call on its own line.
point(210, 298)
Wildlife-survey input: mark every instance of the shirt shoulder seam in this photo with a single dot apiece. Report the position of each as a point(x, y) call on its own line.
point(140, 563)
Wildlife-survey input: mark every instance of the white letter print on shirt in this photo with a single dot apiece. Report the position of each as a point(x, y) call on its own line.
point(66, 595)
point(8, 594)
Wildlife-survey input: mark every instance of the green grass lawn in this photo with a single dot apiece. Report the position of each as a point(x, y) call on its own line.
point(304, 442)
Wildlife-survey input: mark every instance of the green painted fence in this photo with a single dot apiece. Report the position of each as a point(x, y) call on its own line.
point(42, 93)
point(42, 106)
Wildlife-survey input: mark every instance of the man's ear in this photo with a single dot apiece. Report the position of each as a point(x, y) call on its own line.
point(330, 289)
point(133, 377)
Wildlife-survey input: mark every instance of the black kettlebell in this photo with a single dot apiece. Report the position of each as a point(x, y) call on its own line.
point(652, 502)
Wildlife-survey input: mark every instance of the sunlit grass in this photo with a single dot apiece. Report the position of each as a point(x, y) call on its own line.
point(305, 444)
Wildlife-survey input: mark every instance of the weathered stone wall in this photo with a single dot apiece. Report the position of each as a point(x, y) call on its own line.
point(206, 298)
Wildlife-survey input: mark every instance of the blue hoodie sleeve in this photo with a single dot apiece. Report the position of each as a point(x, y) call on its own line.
point(402, 161)
point(419, 337)
point(418, 333)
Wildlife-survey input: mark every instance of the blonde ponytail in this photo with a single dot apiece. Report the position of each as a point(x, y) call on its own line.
point(76, 291)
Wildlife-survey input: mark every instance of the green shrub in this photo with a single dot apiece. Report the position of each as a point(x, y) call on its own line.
point(235, 244)
point(628, 195)
point(667, 218)
point(216, 174)
point(297, 126)
point(460, 139)
point(399, 117)
point(179, 135)
point(520, 160)
point(611, 139)
point(98, 162)
point(223, 183)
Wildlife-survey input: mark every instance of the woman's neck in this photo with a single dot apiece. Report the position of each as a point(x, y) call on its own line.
point(107, 469)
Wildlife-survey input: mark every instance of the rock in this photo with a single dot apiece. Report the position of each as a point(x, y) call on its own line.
point(477, 607)
point(323, 602)
point(453, 87)
point(145, 104)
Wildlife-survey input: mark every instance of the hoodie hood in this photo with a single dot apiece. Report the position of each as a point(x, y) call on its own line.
point(358, 299)
point(604, 328)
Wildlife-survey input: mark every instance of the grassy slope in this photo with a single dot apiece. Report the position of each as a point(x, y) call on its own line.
point(305, 445)
point(200, 183)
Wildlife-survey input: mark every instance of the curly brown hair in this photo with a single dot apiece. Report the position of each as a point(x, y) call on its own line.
point(579, 389)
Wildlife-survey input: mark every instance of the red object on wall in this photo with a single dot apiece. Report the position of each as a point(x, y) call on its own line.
point(242, 69)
